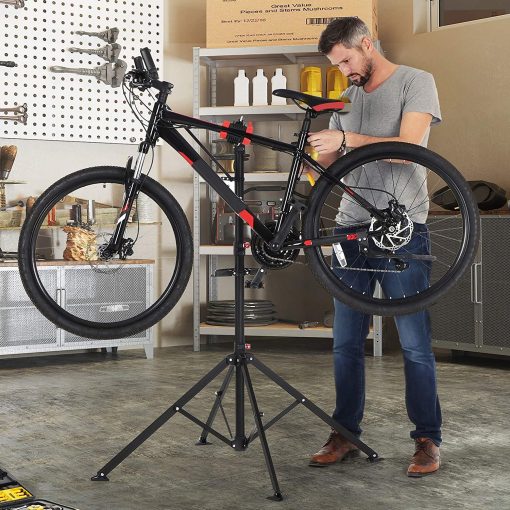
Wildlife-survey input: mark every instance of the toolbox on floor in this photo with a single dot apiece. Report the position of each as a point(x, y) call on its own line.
point(14, 496)
point(41, 504)
point(12, 492)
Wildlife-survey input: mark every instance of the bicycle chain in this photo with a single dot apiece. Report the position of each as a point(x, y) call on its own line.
point(370, 270)
point(343, 268)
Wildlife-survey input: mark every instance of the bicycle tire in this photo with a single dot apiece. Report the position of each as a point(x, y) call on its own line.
point(466, 220)
point(115, 325)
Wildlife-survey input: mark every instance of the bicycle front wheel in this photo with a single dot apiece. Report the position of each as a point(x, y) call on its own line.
point(98, 296)
point(427, 233)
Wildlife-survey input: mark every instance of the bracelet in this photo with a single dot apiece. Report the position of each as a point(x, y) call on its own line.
point(343, 145)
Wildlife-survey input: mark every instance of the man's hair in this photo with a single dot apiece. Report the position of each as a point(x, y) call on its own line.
point(349, 32)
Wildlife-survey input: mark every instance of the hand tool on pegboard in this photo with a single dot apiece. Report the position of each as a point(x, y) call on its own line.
point(17, 3)
point(110, 35)
point(16, 113)
point(111, 74)
point(110, 52)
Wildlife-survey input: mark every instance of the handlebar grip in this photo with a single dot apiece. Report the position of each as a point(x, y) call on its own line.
point(139, 64)
point(149, 63)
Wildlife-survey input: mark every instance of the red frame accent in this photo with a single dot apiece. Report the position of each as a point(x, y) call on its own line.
point(247, 217)
point(186, 158)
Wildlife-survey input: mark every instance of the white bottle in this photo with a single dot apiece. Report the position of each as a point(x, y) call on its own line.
point(259, 89)
point(278, 81)
point(241, 89)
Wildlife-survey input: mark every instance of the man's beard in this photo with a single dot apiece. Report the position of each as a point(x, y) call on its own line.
point(365, 74)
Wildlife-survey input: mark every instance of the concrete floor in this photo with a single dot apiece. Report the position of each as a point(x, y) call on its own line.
point(64, 417)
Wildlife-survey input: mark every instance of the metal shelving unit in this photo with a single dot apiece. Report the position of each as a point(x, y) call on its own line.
point(215, 59)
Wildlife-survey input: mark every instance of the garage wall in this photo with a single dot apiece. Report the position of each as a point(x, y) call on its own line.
point(469, 63)
point(43, 162)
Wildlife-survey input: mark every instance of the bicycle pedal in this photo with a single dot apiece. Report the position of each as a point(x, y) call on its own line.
point(223, 272)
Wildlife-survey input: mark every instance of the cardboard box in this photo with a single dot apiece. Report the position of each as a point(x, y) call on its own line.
point(236, 23)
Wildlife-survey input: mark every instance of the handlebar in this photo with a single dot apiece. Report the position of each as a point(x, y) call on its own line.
point(145, 75)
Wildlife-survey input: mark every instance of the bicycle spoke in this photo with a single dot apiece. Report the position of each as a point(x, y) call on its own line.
point(125, 284)
point(400, 187)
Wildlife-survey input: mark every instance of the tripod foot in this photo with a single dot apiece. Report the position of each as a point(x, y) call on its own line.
point(277, 496)
point(100, 477)
point(375, 458)
point(202, 442)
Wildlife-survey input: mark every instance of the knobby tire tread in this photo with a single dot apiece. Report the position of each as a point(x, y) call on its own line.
point(382, 151)
point(49, 308)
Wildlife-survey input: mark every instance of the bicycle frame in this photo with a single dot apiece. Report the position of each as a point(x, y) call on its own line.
point(236, 203)
point(164, 124)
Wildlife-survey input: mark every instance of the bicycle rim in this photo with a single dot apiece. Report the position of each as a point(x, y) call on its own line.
point(425, 184)
point(90, 295)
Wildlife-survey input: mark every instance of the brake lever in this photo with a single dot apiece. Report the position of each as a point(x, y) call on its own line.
point(138, 79)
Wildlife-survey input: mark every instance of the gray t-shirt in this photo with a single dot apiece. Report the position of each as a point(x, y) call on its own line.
point(379, 113)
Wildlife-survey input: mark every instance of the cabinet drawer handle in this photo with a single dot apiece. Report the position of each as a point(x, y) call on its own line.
point(476, 300)
point(472, 282)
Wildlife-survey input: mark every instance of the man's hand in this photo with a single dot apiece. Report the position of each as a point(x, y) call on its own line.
point(326, 141)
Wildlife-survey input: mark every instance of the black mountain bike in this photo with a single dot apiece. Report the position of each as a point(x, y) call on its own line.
point(119, 236)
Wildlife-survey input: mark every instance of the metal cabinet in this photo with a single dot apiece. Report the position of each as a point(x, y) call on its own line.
point(22, 327)
point(24, 330)
point(213, 60)
point(475, 314)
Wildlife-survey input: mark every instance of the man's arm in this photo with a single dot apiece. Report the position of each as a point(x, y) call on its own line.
point(413, 128)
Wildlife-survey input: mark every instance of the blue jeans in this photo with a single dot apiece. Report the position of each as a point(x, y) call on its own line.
point(350, 331)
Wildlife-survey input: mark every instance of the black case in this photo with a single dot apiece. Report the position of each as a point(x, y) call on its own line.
point(487, 195)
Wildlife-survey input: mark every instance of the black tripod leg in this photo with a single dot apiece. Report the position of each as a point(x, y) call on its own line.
point(265, 447)
point(156, 424)
point(372, 456)
point(219, 398)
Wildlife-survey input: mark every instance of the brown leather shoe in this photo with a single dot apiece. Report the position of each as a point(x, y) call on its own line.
point(426, 459)
point(336, 449)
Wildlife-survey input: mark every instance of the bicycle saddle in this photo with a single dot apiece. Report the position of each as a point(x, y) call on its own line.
point(318, 104)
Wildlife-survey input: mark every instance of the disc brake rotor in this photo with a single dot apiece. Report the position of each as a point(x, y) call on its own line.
point(393, 235)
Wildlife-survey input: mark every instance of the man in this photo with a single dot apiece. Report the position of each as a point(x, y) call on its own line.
point(389, 103)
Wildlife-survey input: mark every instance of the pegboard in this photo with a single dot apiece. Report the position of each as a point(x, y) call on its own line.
point(67, 106)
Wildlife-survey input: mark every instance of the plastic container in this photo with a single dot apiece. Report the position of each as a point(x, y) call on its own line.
point(336, 83)
point(311, 81)
point(241, 89)
point(278, 81)
point(260, 89)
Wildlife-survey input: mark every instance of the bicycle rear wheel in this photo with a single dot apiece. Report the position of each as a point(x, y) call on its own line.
point(97, 296)
point(388, 175)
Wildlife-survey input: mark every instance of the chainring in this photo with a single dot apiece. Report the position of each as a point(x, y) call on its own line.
point(270, 259)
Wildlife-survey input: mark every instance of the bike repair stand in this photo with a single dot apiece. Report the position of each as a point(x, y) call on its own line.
point(238, 361)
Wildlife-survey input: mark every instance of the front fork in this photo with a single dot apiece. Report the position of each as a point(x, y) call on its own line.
point(132, 188)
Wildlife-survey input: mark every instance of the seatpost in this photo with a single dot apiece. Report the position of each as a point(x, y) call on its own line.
point(294, 170)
